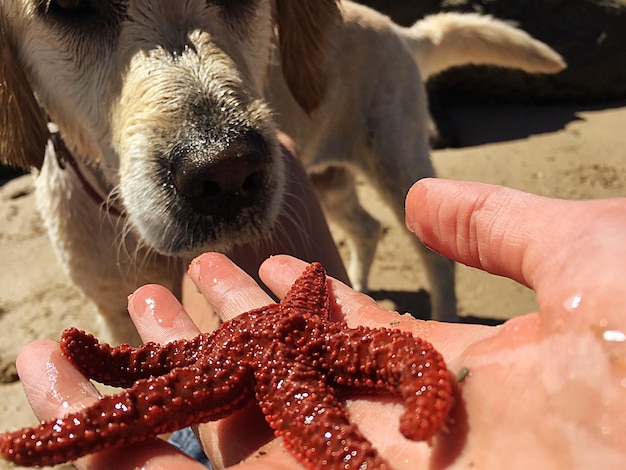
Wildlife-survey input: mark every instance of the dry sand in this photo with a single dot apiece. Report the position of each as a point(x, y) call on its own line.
point(560, 151)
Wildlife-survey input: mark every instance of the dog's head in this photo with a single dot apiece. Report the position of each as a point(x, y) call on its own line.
point(165, 97)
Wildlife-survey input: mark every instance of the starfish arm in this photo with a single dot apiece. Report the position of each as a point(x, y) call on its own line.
point(123, 365)
point(303, 409)
point(309, 293)
point(379, 359)
point(182, 398)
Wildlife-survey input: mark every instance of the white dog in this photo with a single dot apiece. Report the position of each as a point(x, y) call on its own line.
point(374, 120)
point(167, 142)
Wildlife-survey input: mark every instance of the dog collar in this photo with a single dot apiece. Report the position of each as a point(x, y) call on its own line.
point(66, 160)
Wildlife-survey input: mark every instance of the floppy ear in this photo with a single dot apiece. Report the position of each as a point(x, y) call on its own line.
point(23, 124)
point(303, 30)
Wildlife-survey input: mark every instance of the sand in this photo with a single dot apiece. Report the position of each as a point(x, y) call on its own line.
point(572, 152)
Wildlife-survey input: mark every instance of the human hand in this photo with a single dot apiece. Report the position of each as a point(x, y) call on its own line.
point(547, 389)
point(64, 390)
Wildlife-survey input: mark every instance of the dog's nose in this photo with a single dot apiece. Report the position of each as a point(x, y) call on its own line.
point(222, 183)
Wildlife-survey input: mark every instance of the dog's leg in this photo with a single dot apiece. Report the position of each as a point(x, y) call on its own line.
point(440, 271)
point(398, 157)
point(91, 248)
point(337, 192)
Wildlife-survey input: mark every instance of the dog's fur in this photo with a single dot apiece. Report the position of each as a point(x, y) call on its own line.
point(162, 110)
point(374, 120)
point(160, 107)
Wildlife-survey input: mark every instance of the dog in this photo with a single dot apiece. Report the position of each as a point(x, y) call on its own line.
point(167, 112)
point(160, 111)
point(374, 120)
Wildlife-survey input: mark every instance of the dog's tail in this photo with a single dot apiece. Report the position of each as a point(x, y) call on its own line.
point(444, 40)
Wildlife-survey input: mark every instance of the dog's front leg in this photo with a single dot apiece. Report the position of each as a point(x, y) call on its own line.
point(89, 243)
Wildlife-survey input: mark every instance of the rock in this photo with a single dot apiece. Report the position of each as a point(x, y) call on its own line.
point(590, 34)
point(8, 371)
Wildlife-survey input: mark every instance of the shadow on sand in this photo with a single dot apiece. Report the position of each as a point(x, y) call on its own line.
point(417, 303)
point(467, 125)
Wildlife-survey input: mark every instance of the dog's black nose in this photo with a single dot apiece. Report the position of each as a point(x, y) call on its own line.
point(221, 183)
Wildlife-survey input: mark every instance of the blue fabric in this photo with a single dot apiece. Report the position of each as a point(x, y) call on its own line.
point(186, 441)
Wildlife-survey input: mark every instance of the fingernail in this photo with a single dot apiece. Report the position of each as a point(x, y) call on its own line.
point(202, 269)
point(162, 311)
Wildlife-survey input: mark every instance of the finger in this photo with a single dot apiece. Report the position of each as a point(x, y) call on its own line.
point(52, 385)
point(497, 229)
point(55, 388)
point(356, 308)
point(158, 315)
point(271, 457)
point(153, 454)
point(280, 272)
point(300, 228)
point(567, 251)
point(230, 291)
point(226, 286)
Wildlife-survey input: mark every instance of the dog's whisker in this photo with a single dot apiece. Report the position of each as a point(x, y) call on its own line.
point(292, 225)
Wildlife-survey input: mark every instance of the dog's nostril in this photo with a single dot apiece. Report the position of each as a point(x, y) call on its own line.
point(222, 183)
point(255, 181)
point(209, 189)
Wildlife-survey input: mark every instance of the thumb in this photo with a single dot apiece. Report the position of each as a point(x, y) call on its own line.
point(499, 230)
point(558, 248)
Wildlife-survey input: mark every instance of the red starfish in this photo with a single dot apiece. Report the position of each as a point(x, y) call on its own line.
point(290, 356)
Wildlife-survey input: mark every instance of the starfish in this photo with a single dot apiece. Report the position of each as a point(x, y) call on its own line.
point(289, 357)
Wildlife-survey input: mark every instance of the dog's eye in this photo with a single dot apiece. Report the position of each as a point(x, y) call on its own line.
point(71, 6)
point(234, 8)
point(94, 18)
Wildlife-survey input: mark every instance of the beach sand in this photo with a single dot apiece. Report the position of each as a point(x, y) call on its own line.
point(573, 152)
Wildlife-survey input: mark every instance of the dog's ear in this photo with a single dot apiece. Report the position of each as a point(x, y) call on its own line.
point(23, 124)
point(303, 30)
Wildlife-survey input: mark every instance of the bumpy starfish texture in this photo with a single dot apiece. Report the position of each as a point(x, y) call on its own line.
point(289, 357)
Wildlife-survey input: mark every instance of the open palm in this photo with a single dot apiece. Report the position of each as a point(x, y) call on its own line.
point(544, 390)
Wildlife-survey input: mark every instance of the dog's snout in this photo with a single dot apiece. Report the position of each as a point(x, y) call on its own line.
point(224, 182)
